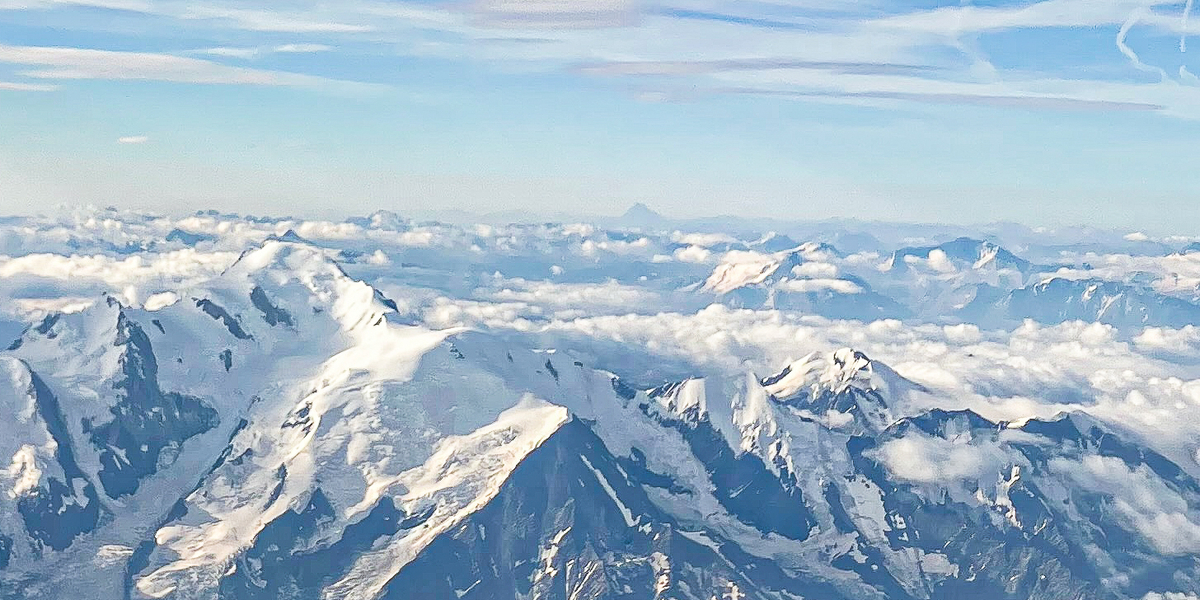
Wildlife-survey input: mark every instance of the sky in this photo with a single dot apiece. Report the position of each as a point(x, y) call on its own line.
point(1050, 112)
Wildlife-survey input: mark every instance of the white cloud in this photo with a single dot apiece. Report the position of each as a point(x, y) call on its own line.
point(27, 87)
point(133, 139)
point(922, 459)
point(301, 48)
point(160, 301)
point(25, 472)
point(257, 51)
point(84, 63)
point(702, 239)
point(231, 52)
point(847, 55)
point(278, 21)
point(815, 270)
point(127, 5)
point(555, 13)
point(693, 254)
point(592, 298)
point(1182, 342)
point(1141, 499)
point(840, 286)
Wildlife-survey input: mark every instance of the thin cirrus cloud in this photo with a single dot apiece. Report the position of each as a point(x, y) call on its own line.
point(1004, 101)
point(698, 67)
point(133, 139)
point(276, 21)
point(820, 50)
point(259, 51)
point(125, 5)
point(58, 63)
point(16, 86)
point(231, 16)
point(555, 13)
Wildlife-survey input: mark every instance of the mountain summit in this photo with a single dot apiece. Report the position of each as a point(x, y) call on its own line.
point(640, 215)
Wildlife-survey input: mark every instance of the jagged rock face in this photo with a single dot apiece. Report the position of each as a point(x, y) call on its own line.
point(145, 419)
point(566, 525)
point(1112, 303)
point(1028, 518)
point(57, 509)
point(288, 437)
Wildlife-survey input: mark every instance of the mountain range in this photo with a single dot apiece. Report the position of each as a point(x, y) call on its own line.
point(284, 429)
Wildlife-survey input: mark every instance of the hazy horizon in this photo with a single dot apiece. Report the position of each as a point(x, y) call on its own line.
point(1056, 111)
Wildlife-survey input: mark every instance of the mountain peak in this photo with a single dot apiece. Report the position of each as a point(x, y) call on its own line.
point(640, 214)
point(288, 236)
point(834, 372)
point(282, 254)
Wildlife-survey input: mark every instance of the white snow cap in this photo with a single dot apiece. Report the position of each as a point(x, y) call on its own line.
point(834, 372)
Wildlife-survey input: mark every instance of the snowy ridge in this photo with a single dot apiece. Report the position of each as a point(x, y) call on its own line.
point(834, 373)
point(746, 269)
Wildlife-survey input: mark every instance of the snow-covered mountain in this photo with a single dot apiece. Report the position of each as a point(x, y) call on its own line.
point(962, 252)
point(285, 430)
point(1058, 299)
point(801, 279)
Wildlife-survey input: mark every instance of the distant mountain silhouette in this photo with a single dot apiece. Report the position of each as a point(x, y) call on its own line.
point(640, 215)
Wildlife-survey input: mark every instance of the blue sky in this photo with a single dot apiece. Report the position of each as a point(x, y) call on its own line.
point(1060, 111)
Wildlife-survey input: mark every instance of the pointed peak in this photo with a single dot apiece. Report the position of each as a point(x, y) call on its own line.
point(833, 372)
point(836, 372)
point(812, 248)
point(944, 423)
point(641, 214)
point(773, 242)
point(284, 255)
point(288, 236)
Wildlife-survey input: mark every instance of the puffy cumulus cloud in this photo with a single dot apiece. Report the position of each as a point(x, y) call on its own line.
point(45, 282)
point(160, 301)
point(446, 312)
point(584, 298)
point(693, 254)
point(963, 333)
point(639, 247)
point(25, 472)
point(176, 266)
point(704, 240)
point(841, 286)
point(379, 258)
point(815, 270)
point(325, 230)
point(923, 459)
point(1140, 498)
point(1072, 337)
point(937, 262)
point(1175, 274)
point(1183, 343)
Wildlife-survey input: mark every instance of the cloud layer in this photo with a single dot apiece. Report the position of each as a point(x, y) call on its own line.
point(866, 53)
